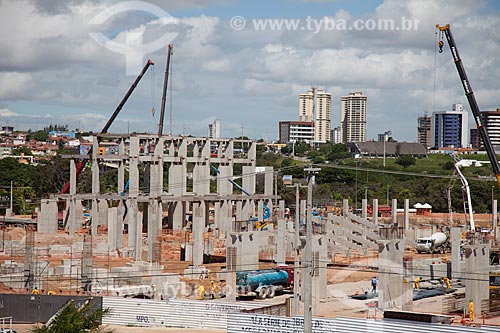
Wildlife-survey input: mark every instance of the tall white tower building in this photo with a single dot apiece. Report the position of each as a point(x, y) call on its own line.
point(353, 117)
point(316, 106)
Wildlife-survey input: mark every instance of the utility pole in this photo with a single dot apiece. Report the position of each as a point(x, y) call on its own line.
point(296, 260)
point(11, 197)
point(308, 253)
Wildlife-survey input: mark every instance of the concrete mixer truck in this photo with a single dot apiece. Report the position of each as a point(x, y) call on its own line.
point(264, 283)
point(437, 243)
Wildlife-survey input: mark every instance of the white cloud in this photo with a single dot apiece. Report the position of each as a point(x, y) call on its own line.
point(6, 112)
point(14, 85)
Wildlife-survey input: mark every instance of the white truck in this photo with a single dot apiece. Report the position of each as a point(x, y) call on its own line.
point(437, 243)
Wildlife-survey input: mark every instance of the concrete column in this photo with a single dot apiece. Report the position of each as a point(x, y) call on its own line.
point(280, 243)
point(95, 216)
point(176, 186)
point(303, 212)
point(364, 207)
point(154, 227)
point(224, 187)
point(198, 228)
point(456, 237)
point(138, 238)
point(476, 275)
point(71, 216)
point(494, 222)
point(375, 211)
point(281, 209)
point(103, 212)
point(345, 206)
point(95, 168)
point(78, 214)
point(228, 216)
point(268, 181)
point(260, 210)
point(201, 179)
point(239, 215)
point(319, 278)
point(248, 244)
point(391, 274)
point(120, 212)
point(249, 179)
point(218, 217)
point(395, 211)
point(71, 219)
point(407, 214)
point(47, 219)
point(134, 167)
point(112, 228)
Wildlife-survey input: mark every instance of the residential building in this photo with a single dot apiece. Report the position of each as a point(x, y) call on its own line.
point(424, 133)
point(384, 136)
point(353, 117)
point(450, 128)
point(7, 130)
point(491, 119)
point(475, 138)
point(316, 106)
point(214, 129)
point(335, 137)
point(293, 131)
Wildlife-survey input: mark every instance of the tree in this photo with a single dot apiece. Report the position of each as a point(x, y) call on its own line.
point(41, 136)
point(406, 160)
point(75, 319)
point(339, 151)
point(22, 150)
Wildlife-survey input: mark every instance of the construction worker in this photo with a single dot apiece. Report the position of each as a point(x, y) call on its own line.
point(447, 282)
point(417, 281)
point(201, 292)
point(471, 310)
point(374, 284)
point(213, 292)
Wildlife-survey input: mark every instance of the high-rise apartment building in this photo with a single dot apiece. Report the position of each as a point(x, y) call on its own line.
point(295, 131)
point(491, 119)
point(381, 137)
point(450, 128)
point(353, 117)
point(424, 133)
point(214, 129)
point(318, 110)
point(335, 137)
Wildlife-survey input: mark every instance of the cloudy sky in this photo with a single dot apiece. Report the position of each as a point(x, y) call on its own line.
point(70, 62)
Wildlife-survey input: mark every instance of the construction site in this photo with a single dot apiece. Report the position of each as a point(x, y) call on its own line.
point(197, 236)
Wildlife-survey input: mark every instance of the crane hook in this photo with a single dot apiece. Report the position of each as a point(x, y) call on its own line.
point(441, 44)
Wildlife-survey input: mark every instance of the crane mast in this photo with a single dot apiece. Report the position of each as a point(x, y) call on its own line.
point(483, 132)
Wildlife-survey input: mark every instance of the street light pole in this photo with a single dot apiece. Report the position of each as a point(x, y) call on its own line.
point(308, 272)
point(356, 188)
point(296, 260)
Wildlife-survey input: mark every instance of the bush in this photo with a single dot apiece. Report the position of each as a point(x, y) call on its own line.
point(406, 160)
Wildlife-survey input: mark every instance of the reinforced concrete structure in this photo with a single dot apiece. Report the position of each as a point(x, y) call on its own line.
point(172, 181)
